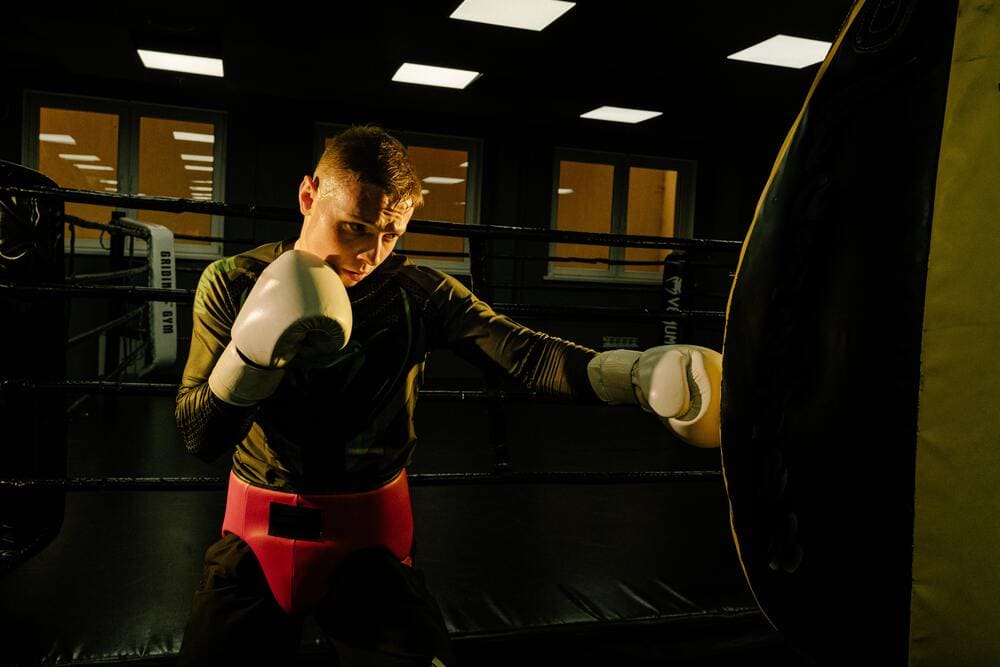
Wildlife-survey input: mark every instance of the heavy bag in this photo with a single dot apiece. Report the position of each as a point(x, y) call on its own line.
point(861, 388)
point(32, 348)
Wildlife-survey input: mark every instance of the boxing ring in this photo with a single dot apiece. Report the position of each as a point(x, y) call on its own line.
point(851, 517)
point(587, 531)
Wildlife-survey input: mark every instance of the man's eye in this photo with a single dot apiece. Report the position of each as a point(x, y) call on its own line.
point(389, 238)
point(357, 227)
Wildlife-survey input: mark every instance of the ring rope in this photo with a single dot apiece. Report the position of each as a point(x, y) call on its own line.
point(415, 479)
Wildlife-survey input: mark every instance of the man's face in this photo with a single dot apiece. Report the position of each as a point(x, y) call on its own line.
point(351, 226)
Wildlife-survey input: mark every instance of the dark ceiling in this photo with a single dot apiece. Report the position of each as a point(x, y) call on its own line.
point(664, 56)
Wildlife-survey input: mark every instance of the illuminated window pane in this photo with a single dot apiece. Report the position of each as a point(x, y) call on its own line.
point(584, 205)
point(80, 151)
point(444, 200)
point(652, 199)
point(169, 167)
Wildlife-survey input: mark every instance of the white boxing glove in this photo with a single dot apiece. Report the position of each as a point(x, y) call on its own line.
point(682, 384)
point(298, 309)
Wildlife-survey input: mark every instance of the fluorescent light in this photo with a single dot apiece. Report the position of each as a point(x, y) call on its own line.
point(196, 158)
point(197, 167)
point(111, 189)
point(108, 181)
point(565, 191)
point(620, 114)
point(460, 203)
point(524, 14)
point(425, 192)
point(79, 158)
point(464, 165)
point(206, 182)
point(194, 136)
point(178, 62)
point(57, 138)
point(442, 180)
point(200, 188)
point(784, 51)
point(428, 75)
point(94, 167)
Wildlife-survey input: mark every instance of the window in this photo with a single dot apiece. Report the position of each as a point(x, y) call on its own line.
point(449, 168)
point(618, 194)
point(123, 147)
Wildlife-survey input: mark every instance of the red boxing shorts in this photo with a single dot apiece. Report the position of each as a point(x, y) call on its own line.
point(300, 539)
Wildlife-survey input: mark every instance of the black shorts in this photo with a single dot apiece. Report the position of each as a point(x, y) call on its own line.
point(377, 611)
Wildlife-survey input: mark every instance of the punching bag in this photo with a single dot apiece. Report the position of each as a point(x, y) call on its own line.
point(861, 387)
point(32, 348)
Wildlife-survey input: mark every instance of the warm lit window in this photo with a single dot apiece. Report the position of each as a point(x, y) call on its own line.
point(120, 147)
point(585, 195)
point(448, 168)
point(618, 194)
point(176, 160)
point(652, 210)
point(79, 150)
point(444, 174)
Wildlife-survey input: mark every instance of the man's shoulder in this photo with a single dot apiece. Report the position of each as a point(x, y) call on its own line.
point(261, 256)
point(235, 273)
point(425, 278)
point(251, 261)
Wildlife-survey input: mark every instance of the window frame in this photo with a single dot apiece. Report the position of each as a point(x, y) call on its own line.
point(621, 163)
point(473, 183)
point(130, 114)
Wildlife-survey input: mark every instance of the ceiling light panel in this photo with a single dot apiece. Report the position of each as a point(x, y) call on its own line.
point(784, 51)
point(79, 158)
point(57, 138)
point(523, 14)
point(621, 114)
point(429, 75)
point(442, 180)
point(194, 136)
point(178, 62)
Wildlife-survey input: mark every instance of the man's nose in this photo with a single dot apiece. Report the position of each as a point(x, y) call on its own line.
point(371, 252)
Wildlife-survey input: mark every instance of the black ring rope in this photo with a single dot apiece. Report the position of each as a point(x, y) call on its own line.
point(511, 309)
point(125, 291)
point(431, 253)
point(415, 480)
point(571, 286)
point(178, 205)
point(108, 275)
point(126, 388)
point(122, 365)
point(111, 324)
point(610, 313)
point(579, 260)
point(111, 229)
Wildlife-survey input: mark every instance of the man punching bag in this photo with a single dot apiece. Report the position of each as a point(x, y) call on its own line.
point(860, 418)
point(32, 347)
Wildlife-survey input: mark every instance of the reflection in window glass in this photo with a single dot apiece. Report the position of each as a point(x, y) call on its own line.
point(79, 150)
point(584, 205)
point(652, 197)
point(444, 173)
point(176, 160)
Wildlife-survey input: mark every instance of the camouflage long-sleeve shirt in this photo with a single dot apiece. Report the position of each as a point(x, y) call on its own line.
point(350, 426)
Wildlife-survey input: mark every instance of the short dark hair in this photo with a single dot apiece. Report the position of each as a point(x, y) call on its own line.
point(373, 156)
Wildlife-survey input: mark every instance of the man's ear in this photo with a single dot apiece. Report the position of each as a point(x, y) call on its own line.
point(308, 192)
